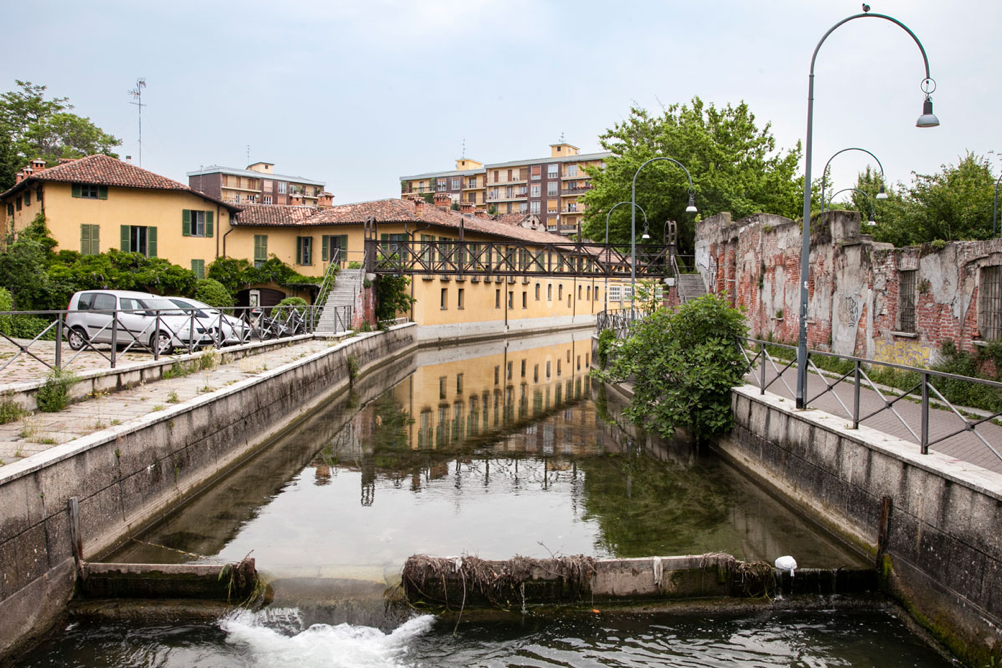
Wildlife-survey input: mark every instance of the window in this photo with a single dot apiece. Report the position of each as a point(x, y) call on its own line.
point(535, 373)
point(511, 299)
point(549, 292)
point(525, 299)
point(459, 383)
point(560, 292)
point(508, 208)
point(471, 198)
point(552, 188)
point(523, 368)
point(461, 298)
point(196, 223)
point(10, 209)
point(497, 378)
point(579, 291)
point(304, 251)
point(537, 292)
point(471, 182)
point(333, 247)
point(27, 198)
point(509, 370)
point(440, 185)
point(547, 370)
point(572, 170)
point(17, 203)
point(198, 266)
point(990, 303)
point(534, 190)
point(443, 300)
point(551, 222)
point(523, 207)
point(90, 239)
point(260, 249)
point(496, 177)
point(615, 293)
point(139, 239)
point(906, 301)
point(457, 183)
point(441, 387)
point(551, 207)
point(552, 171)
point(535, 172)
point(89, 191)
point(588, 294)
point(282, 186)
point(497, 299)
point(267, 199)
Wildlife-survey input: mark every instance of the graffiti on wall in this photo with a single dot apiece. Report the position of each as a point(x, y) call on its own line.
point(902, 351)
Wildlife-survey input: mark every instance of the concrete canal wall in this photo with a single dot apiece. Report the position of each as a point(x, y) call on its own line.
point(942, 536)
point(129, 476)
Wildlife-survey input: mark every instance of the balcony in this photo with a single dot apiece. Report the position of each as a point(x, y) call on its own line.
point(506, 198)
point(580, 190)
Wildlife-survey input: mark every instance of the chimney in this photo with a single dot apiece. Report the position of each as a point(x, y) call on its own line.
point(480, 213)
point(296, 199)
point(443, 201)
point(19, 177)
point(128, 159)
point(466, 208)
point(37, 165)
point(418, 206)
point(325, 200)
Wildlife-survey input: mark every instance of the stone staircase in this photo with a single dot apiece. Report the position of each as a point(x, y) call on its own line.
point(347, 285)
point(690, 286)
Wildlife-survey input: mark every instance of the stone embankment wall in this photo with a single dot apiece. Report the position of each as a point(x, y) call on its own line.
point(130, 476)
point(856, 285)
point(942, 536)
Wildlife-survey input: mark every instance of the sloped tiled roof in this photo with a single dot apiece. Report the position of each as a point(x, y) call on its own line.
point(103, 170)
point(274, 214)
point(392, 211)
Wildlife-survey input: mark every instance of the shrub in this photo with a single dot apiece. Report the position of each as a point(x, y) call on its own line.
point(684, 364)
point(213, 293)
point(54, 395)
point(392, 296)
point(606, 341)
point(21, 326)
point(10, 410)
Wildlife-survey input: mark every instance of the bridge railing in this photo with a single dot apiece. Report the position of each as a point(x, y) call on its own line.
point(872, 389)
point(107, 335)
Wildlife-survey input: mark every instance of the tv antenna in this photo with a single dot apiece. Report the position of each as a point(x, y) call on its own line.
point(248, 154)
point(137, 93)
point(464, 147)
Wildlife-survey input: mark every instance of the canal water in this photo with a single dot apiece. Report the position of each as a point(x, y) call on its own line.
point(494, 450)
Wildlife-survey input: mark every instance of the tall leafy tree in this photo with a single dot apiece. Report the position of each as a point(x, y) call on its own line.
point(32, 126)
point(735, 167)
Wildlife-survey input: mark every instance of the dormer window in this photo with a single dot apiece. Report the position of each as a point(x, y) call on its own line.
point(90, 191)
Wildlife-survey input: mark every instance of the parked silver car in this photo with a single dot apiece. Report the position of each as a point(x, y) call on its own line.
point(233, 329)
point(137, 318)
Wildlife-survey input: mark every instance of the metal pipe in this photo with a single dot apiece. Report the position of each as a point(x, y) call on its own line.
point(633, 219)
point(806, 221)
point(609, 252)
point(873, 215)
point(824, 172)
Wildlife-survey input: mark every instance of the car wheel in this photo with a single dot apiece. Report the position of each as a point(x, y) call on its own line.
point(161, 343)
point(77, 338)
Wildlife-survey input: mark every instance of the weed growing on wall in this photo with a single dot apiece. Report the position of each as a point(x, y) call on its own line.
point(684, 364)
point(54, 395)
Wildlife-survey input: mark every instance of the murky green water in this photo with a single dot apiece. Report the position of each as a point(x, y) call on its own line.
point(495, 451)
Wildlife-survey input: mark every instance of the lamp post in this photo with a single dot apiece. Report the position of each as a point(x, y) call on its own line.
point(608, 252)
point(882, 194)
point(995, 206)
point(691, 208)
point(873, 218)
point(926, 120)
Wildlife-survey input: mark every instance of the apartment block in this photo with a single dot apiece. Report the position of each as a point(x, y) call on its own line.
point(259, 184)
point(548, 188)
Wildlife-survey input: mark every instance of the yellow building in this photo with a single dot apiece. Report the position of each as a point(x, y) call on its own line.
point(97, 203)
point(546, 187)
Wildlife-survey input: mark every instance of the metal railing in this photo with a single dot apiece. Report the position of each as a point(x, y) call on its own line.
point(159, 332)
point(767, 369)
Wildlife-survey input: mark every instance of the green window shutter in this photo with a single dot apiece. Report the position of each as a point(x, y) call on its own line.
point(95, 239)
point(151, 242)
point(260, 248)
point(325, 244)
point(102, 192)
point(76, 189)
point(186, 223)
point(343, 245)
point(208, 223)
point(85, 239)
point(126, 235)
point(198, 266)
point(299, 250)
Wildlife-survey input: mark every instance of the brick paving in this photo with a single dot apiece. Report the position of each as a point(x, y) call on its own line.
point(26, 368)
point(40, 431)
point(965, 446)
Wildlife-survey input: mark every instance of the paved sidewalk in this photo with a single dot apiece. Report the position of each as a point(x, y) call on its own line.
point(26, 368)
point(965, 446)
point(40, 431)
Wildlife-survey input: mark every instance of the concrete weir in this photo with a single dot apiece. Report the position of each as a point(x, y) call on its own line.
point(111, 484)
point(469, 582)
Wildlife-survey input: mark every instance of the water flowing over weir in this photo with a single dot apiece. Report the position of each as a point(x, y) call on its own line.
point(494, 450)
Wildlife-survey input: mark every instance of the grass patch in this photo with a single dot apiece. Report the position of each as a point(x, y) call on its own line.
point(172, 397)
point(54, 395)
point(10, 410)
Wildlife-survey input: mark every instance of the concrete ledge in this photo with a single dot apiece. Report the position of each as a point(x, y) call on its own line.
point(232, 583)
point(129, 476)
point(139, 373)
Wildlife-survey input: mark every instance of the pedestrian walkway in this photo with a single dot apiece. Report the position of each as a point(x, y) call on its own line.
point(40, 431)
point(965, 446)
point(29, 367)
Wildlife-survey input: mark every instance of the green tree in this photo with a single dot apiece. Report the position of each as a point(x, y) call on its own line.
point(36, 127)
point(684, 364)
point(24, 270)
point(392, 296)
point(213, 293)
point(735, 167)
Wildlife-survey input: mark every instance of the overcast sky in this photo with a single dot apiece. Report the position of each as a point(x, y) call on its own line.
point(359, 92)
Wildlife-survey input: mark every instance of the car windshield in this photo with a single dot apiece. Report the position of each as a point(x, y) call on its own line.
point(164, 306)
point(185, 304)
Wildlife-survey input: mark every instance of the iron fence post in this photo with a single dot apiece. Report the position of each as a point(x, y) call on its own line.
point(191, 331)
point(761, 364)
point(925, 413)
point(59, 341)
point(114, 338)
point(156, 337)
point(855, 395)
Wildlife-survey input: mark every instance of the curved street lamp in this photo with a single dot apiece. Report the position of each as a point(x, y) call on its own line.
point(609, 252)
point(691, 208)
point(926, 120)
point(873, 218)
point(882, 194)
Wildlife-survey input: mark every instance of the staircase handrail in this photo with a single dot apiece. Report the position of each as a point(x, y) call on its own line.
point(328, 282)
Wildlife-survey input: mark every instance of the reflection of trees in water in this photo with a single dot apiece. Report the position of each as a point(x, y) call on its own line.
point(642, 503)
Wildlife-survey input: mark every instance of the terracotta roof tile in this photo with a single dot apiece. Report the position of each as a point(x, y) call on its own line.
point(104, 170)
point(274, 214)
